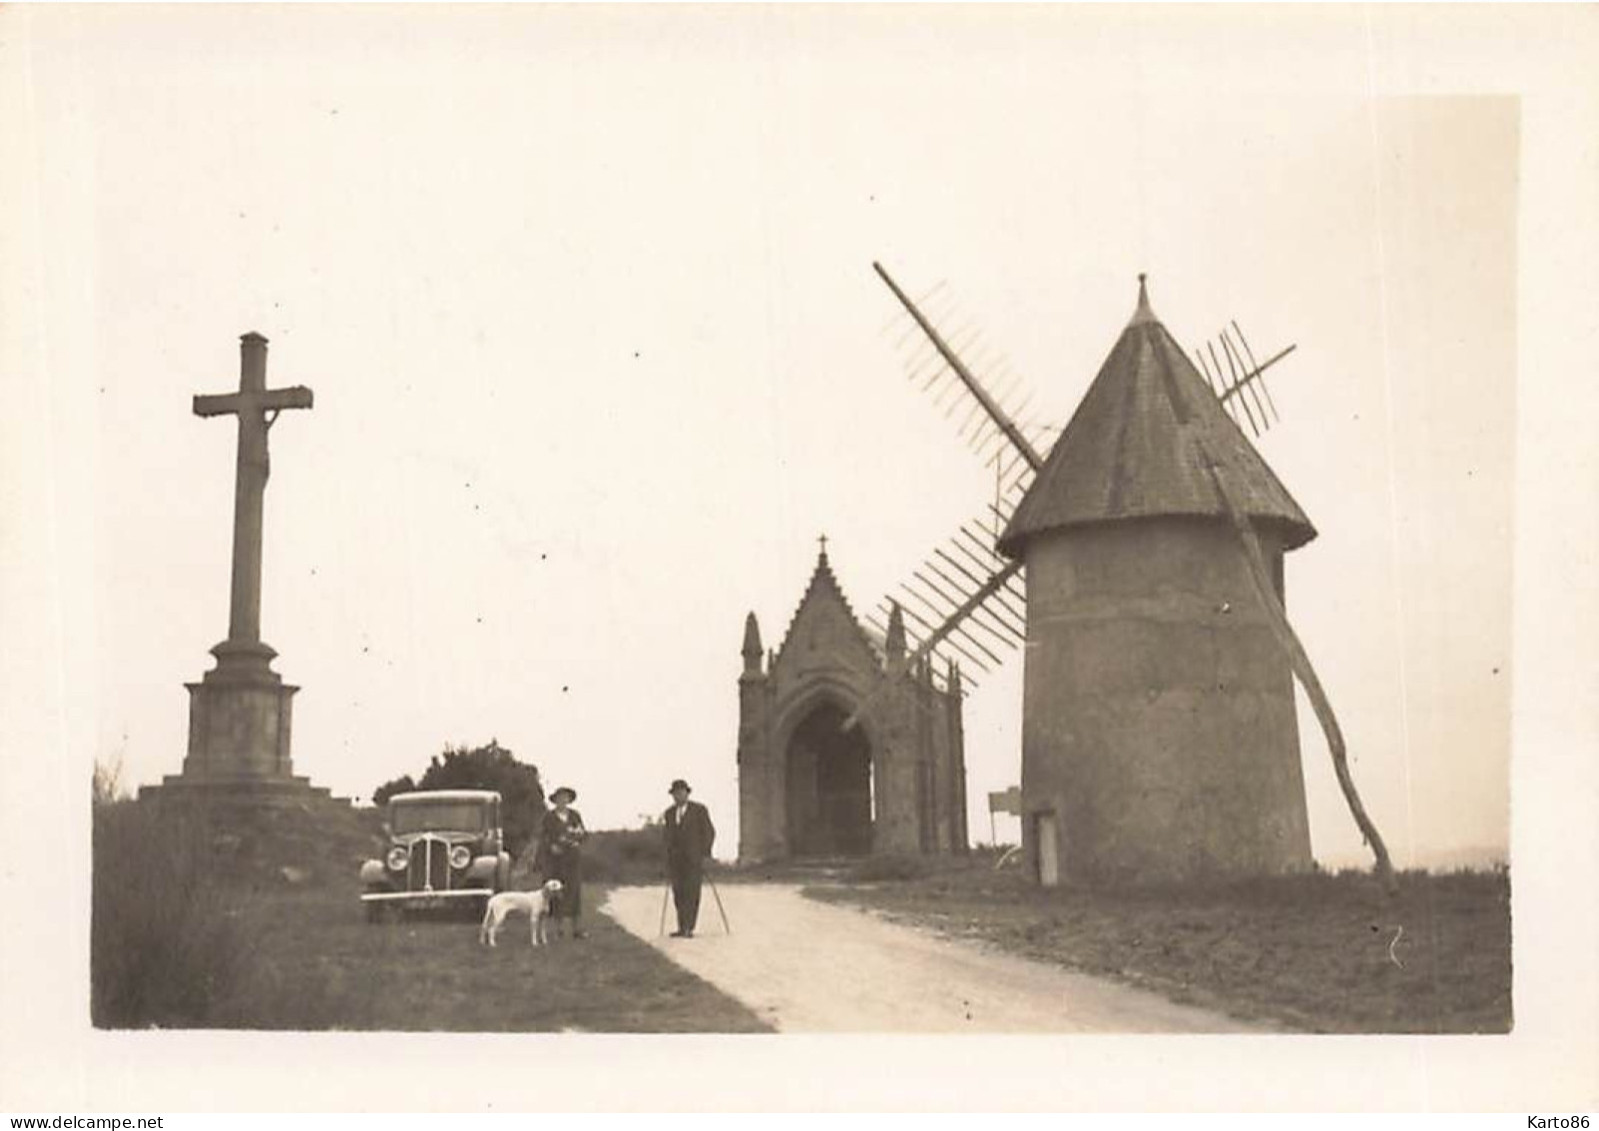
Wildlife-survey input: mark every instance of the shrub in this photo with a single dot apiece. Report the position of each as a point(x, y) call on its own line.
point(164, 948)
point(484, 767)
point(625, 856)
point(108, 787)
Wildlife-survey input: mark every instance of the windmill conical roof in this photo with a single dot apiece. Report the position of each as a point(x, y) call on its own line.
point(1129, 451)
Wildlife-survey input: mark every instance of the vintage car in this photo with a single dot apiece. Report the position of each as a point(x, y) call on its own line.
point(446, 848)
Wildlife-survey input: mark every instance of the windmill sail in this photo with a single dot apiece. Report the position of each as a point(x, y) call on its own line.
point(966, 597)
point(1241, 388)
point(952, 364)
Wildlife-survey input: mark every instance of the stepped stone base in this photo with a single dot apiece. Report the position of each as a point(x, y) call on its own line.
point(240, 789)
point(239, 729)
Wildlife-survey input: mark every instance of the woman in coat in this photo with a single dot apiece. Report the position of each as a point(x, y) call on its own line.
point(560, 857)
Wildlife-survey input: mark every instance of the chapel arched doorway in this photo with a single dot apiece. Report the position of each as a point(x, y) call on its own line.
point(829, 786)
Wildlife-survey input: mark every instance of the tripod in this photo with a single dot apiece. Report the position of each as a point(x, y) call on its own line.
point(667, 891)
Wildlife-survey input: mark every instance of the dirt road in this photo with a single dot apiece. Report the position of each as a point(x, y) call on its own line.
point(810, 967)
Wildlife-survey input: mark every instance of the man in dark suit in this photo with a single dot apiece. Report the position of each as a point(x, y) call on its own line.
point(689, 836)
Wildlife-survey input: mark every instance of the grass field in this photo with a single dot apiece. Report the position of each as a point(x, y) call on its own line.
point(252, 920)
point(1318, 953)
point(317, 964)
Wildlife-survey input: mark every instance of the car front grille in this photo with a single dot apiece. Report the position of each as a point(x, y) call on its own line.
point(430, 866)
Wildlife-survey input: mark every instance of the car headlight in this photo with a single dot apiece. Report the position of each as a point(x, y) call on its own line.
point(398, 857)
point(460, 856)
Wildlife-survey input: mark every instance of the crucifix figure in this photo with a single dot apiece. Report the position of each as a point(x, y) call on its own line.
point(257, 407)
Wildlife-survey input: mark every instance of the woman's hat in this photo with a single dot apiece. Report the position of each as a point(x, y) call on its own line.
point(571, 794)
point(679, 784)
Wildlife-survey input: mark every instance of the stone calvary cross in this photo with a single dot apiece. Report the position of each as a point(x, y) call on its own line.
point(243, 650)
point(239, 712)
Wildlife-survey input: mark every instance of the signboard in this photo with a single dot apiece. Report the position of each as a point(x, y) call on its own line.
point(1006, 801)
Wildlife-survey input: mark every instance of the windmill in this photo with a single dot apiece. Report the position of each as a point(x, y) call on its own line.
point(971, 600)
point(966, 599)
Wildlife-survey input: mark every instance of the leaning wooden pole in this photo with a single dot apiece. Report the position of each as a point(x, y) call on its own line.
point(1299, 660)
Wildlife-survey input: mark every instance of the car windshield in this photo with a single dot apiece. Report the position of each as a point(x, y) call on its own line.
point(433, 816)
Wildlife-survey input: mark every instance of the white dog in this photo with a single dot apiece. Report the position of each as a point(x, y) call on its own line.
point(537, 903)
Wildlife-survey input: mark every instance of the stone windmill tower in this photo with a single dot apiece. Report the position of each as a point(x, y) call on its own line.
point(1159, 734)
point(1144, 561)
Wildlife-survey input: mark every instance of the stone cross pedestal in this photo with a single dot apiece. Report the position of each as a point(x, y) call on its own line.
point(239, 712)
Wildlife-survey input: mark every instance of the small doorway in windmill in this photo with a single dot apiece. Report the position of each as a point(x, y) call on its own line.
point(829, 786)
point(1046, 836)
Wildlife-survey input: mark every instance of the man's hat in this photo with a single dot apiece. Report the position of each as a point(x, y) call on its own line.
point(571, 794)
point(679, 784)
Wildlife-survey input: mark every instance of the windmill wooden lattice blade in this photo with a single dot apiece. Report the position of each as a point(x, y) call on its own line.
point(953, 363)
point(986, 598)
point(1245, 396)
point(878, 620)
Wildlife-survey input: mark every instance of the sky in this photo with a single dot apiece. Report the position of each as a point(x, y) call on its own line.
point(586, 301)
